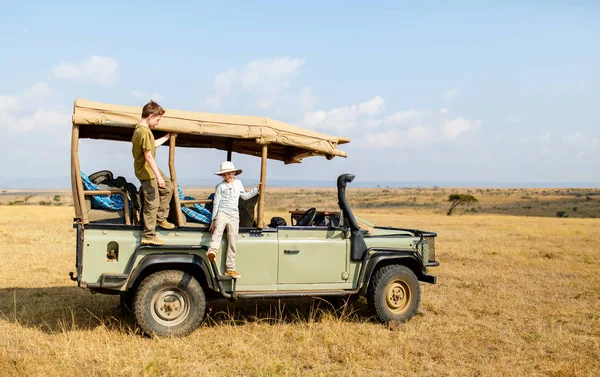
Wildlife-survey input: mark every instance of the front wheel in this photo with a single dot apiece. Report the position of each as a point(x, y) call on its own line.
point(394, 294)
point(169, 303)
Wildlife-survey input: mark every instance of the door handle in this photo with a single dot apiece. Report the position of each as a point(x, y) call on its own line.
point(291, 251)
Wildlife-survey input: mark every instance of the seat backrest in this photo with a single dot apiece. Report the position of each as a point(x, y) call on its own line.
point(246, 208)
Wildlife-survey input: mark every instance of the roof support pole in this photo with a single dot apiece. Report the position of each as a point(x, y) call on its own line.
point(229, 148)
point(263, 186)
point(176, 205)
point(76, 183)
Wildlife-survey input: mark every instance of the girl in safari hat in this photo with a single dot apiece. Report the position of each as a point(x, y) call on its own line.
point(225, 214)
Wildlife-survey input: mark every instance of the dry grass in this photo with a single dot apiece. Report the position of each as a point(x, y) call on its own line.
point(580, 203)
point(516, 296)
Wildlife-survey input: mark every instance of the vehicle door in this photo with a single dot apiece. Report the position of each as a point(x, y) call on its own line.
point(311, 255)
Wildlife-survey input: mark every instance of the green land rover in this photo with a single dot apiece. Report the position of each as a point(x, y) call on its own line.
point(321, 253)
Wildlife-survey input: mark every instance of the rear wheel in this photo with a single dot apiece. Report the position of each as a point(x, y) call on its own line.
point(394, 294)
point(169, 303)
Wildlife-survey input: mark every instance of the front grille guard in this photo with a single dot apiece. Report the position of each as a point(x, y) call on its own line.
point(426, 246)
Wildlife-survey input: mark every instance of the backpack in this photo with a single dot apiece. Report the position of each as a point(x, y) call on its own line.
point(276, 222)
point(105, 177)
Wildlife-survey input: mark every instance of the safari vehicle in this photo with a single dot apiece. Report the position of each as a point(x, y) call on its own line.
point(322, 253)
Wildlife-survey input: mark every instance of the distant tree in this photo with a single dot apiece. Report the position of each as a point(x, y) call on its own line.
point(459, 199)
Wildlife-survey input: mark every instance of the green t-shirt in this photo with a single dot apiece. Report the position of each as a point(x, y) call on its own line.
point(142, 140)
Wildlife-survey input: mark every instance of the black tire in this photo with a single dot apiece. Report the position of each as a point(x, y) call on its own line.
point(394, 294)
point(169, 303)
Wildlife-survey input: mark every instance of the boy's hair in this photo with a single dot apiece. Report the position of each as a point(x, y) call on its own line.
point(152, 108)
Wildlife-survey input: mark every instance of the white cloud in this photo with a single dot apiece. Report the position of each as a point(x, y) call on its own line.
point(41, 118)
point(342, 118)
point(451, 93)
point(141, 95)
point(405, 117)
point(8, 102)
point(34, 109)
point(38, 90)
point(417, 127)
point(269, 75)
point(372, 106)
point(372, 124)
point(571, 87)
point(400, 137)
point(452, 128)
point(224, 81)
point(576, 138)
point(265, 79)
point(306, 99)
point(443, 111)
point(364, 123)
point(545, 137)
point(33, 95)
point(541, 140)
point(102, 70)
point(514, 118)
point(421, 134)
point(582, 144)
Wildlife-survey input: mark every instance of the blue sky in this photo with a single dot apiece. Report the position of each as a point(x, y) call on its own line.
point(468, 91)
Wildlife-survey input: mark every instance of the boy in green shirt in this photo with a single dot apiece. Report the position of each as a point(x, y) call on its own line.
point(157, 188)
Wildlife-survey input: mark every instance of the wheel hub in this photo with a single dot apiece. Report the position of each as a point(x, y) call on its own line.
point(170, 307)
point(397, 296)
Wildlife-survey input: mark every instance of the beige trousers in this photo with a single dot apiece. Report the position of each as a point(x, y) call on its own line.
point(232, 224)
point(156, 203)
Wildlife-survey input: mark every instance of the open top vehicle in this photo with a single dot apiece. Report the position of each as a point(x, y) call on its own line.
point(321, 253)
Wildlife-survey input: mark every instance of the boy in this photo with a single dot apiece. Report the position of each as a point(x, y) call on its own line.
point(156, 186)
point(225, 214)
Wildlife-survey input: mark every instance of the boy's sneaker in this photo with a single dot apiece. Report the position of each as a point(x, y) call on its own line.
point(212, 255)
point(154, 241)
point(165, 224)
point(233, 274)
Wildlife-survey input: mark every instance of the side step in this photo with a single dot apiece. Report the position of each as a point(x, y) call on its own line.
point(292, 294)
point(117, 281)
point(220, 278)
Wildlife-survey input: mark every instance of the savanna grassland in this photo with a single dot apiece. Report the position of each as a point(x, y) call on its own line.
point(563, 202)
point(518, 294)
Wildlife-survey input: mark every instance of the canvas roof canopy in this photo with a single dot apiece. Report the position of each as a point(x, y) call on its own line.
point(240, 134)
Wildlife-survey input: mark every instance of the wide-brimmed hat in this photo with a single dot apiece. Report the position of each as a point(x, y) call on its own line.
point(226, 167)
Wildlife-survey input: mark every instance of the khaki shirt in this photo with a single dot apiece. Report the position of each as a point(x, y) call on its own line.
point(142, 140)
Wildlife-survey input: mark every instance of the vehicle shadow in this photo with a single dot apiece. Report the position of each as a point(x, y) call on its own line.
point(285, 311)
point(64, 309)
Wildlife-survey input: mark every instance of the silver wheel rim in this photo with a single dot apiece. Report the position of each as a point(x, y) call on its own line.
point(170, 306)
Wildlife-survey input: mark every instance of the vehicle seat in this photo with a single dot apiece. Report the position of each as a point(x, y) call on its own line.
point(196, 212)
point(104, 208)
point(246, 208)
